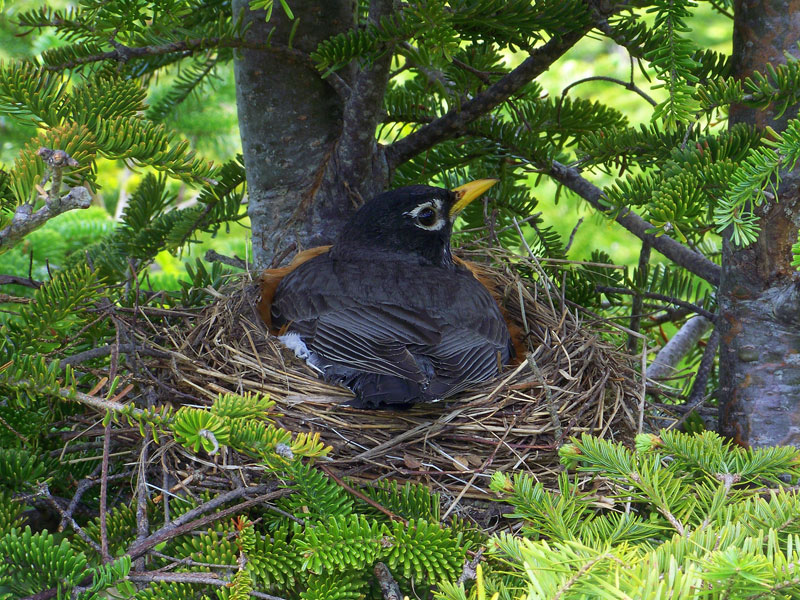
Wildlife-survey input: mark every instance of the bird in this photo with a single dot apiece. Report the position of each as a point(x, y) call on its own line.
point(387, 310)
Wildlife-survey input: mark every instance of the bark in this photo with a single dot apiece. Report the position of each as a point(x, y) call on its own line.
point(759, 298)
point(310, 151)
point(289, 120)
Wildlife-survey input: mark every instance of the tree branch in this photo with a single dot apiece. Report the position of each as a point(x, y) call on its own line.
point(389, 587)
point(101, 351)
point(697, 395)
point(663, 366)
point(675, 251)
point(197, 578)
point(16, 280)
point(25, 220)
point(455, 121)
point(184, 525)
point(122, 53)
point(628, 85)
point(637, 303)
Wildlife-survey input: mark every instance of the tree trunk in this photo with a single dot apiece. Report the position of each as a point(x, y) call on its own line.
point(759, 298)
point(309, 143)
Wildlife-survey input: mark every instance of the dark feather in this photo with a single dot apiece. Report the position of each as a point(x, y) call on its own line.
point(411, 332)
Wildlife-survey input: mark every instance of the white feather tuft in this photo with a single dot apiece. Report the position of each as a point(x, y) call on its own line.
point(295, 343)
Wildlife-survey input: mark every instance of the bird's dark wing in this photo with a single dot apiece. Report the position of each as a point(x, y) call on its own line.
point(472, 349)
point(443, 331)
point(348, 330)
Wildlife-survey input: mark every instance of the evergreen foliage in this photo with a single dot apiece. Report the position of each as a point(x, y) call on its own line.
point(680, 516)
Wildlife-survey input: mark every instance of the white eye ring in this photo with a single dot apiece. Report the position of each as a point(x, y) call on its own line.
point(421, 218)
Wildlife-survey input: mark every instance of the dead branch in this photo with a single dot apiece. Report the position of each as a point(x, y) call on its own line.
point(25, 220)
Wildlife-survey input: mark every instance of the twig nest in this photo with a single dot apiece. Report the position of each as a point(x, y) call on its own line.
point(570, 382)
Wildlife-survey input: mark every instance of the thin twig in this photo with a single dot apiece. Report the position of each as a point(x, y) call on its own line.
point(231, 261)
point(15, 299)
point(142, 522)
point(16, 280)
point(83, 485)
point(101, 351)
point(628, 85)
point(572, 235)
point(656, 296)
point(364, 498)
point(104, 495)
point(44, 491)
point(183, 524)
point(196, 578)
point(582, 571)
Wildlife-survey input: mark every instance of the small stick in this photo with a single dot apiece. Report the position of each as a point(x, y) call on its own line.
point(361, 496)
point(469, 571)
point(389, 587)
point(104, 495)
point(142, 522)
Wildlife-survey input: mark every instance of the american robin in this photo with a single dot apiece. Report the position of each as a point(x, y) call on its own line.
point(387, 310)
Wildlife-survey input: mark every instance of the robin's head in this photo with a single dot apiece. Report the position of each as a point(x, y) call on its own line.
point(416, 220)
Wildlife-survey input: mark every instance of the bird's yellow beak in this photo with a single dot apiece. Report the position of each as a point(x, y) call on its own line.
point(467, 193)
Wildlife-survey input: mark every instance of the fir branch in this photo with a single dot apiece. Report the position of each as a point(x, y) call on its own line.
point(25, 220)
point(454, 123)
point(122, 53)
point(675, 251)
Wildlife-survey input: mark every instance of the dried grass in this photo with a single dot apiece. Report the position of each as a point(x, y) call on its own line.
point(571, 382)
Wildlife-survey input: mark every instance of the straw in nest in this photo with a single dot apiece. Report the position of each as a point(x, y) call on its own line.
point(571, 382)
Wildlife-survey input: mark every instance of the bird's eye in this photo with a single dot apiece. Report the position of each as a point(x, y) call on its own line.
point(427, 217)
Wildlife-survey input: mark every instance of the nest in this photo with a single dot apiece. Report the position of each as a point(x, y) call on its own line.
point(571, 382)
